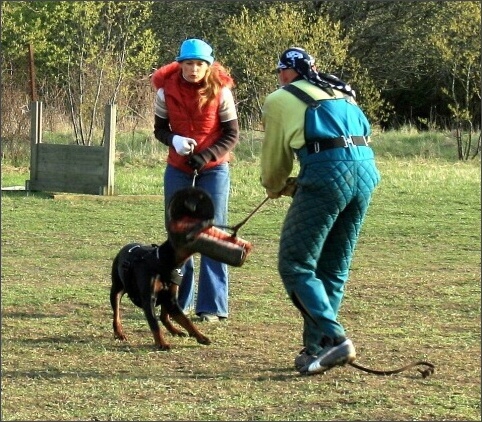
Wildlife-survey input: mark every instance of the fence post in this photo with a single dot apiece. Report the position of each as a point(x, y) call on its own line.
point(109, 146)
point(35, 139)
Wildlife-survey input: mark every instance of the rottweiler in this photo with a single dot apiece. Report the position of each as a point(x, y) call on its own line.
point(151, 275)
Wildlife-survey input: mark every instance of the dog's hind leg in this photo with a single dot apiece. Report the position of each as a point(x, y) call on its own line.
point(116, 293)
point(115, 299)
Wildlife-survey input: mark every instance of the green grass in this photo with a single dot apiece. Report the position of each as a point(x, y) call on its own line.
point(414, 294)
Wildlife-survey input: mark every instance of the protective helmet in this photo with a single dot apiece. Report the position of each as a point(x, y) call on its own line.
point(194, 49)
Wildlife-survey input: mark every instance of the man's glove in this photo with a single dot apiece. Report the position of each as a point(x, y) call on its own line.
point(182, 145)
point(196, 162)
point(290, 187)
point(272, 195)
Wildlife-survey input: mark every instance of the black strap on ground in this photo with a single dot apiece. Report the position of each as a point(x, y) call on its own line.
point(429, 369)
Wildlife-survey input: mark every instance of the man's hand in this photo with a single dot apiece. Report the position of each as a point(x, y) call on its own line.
point(272, 195)
point(182, 145)
point(290, 187)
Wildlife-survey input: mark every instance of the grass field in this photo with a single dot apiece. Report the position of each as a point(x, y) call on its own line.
point(414, 294)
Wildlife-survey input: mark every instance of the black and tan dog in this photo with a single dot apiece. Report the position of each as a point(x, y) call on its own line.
point(150, 274)
point(150, 277)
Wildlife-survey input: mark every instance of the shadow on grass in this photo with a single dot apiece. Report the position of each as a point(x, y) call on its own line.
point(59, 340)
point(123, 374)
point(273, 374)
point(25, 193)
point(27, 315)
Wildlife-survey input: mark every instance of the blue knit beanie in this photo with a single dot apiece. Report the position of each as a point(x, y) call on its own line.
point(195, 49)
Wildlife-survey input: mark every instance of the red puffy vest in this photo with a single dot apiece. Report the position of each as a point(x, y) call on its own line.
point(185, 117)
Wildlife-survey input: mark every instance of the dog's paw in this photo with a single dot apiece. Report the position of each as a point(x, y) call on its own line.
point(203, 340)
point(120, 336)
point(163, 347)
point(179, 333)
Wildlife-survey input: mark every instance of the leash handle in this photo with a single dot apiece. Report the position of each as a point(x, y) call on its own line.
point(194, 178)
point(195, 174)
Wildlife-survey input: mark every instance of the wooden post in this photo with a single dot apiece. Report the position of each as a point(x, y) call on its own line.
point(35, 139)
point(109, 146)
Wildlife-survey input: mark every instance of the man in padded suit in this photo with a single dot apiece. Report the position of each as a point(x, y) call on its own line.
point(337, 177)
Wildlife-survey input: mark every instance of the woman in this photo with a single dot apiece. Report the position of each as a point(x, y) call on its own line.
point(195, 116)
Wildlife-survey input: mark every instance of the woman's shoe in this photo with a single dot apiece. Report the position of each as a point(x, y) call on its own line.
point(208, 317)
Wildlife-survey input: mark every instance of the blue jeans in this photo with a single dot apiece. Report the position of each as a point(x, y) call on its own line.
point(212, 294)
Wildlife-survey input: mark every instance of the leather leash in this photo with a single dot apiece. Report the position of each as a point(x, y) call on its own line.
point(194, 178)
point(235, 228)
point(195, 174)
point(242, 223)
point(429, 370)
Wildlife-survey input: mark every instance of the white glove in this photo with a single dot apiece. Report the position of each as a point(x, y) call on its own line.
point(182, 145)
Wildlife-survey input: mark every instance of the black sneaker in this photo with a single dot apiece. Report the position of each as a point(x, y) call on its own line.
point(340, 352)
point(303, 359)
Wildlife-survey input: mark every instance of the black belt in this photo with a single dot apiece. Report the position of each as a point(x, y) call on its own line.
point(341, 141)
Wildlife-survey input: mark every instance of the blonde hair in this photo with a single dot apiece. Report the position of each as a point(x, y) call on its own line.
point(213, 84)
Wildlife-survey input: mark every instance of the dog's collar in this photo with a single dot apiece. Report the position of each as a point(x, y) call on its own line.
point(176, 276)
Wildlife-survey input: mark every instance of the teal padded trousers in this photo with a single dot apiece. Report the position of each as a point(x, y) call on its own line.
point(320, 232)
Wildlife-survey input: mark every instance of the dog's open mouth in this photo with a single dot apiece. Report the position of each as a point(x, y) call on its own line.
point(191, 202)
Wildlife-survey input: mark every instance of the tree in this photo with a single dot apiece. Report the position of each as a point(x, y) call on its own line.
point(110, 42)
point(400, 44)
point(416, 62)
point(257, 39)
point(172, 25)
point(92, 53)
point(458, 50)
